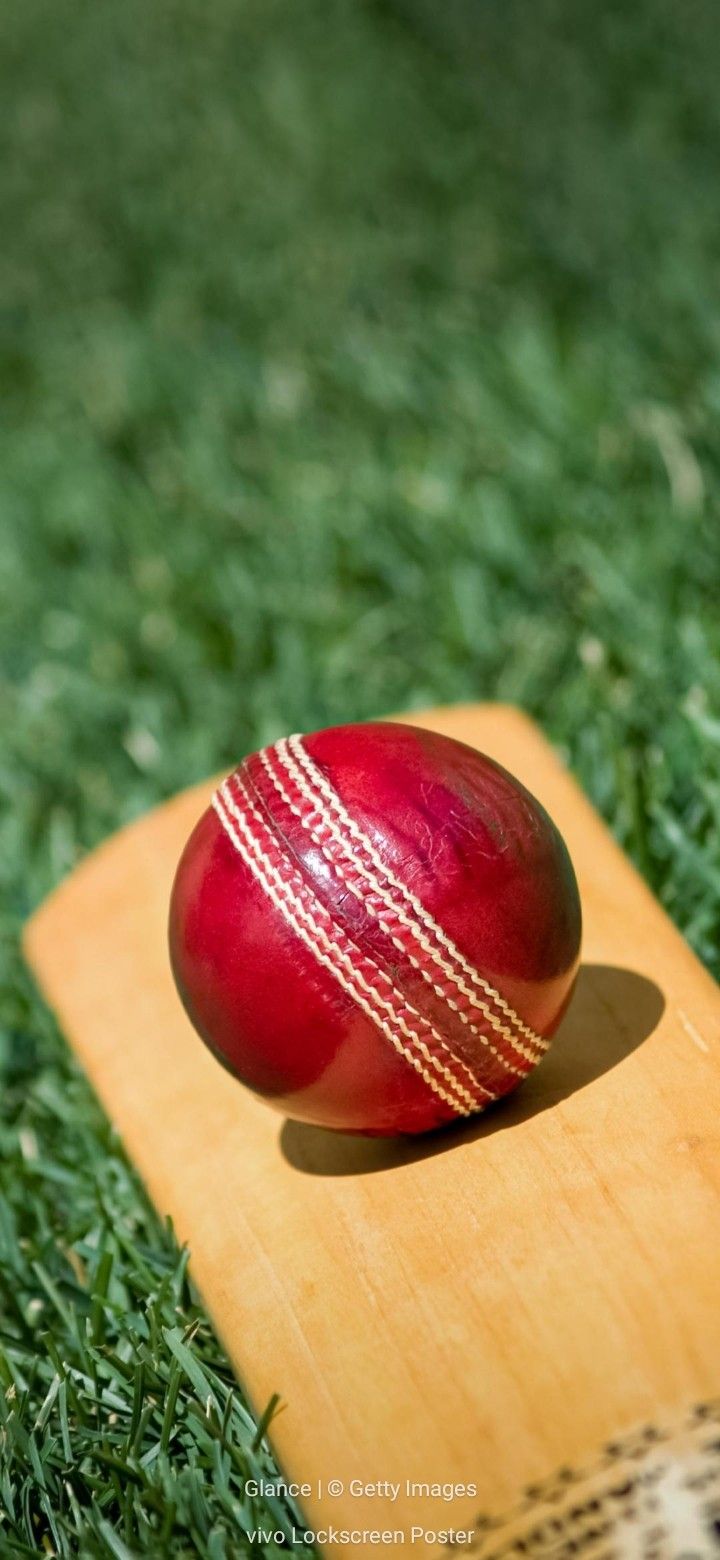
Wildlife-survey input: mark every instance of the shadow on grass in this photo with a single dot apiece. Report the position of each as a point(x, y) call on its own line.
point(611, 1013)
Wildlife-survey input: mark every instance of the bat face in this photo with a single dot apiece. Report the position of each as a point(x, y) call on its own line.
point(481, 1307)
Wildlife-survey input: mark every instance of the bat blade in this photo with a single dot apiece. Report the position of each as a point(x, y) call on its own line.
point(470, 1312)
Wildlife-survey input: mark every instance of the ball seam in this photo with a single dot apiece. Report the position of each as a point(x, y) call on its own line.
point(335, 947)
point(325, 847)
point(426, 925)
point(330, 954)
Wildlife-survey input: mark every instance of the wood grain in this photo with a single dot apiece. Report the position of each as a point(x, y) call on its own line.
point(480, 1307)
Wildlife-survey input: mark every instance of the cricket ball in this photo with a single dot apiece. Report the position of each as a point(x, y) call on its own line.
point(375, 928)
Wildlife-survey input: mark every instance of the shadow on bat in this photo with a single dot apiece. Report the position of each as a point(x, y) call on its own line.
point(611, 1013)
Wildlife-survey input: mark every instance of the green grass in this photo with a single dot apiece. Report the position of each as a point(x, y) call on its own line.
point(354, 357)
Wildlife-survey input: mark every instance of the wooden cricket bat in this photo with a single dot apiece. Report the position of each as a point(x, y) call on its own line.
point(500, 1340)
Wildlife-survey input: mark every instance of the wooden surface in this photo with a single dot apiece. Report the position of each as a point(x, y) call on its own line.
point(480, 1307)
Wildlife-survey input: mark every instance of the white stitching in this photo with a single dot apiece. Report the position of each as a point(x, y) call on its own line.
point(255, 866)
point(295, 914)
point(365, 899)
point(320, 780)
point(320, 910)
point(294, 744)
point(333, 947)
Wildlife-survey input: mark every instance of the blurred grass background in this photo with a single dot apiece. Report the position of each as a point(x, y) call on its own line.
point(354, 357)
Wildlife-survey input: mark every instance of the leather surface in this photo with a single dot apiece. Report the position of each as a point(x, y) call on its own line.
point(466, 839)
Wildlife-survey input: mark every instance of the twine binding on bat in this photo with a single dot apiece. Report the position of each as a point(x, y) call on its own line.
point(650, 1494)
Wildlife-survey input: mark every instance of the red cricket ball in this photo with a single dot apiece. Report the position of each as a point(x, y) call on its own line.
point(376, 928)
